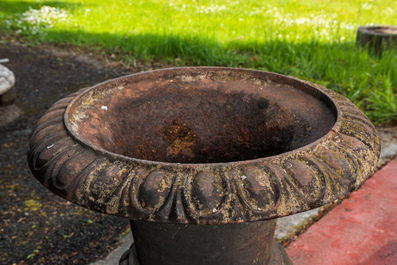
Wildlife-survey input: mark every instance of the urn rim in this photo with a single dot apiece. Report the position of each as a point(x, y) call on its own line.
point(206, 193)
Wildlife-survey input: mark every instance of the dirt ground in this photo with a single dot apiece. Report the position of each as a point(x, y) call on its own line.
point(37, 227)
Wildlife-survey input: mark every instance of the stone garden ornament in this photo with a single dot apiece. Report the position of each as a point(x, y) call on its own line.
point(7, 81)
point(9, 112)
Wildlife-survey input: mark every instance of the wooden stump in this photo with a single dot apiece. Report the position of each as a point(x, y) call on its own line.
point(376, 37)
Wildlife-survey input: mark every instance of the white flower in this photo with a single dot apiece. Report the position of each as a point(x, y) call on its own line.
point(37, 20)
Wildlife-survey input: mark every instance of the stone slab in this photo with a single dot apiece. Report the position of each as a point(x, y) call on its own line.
point(290, 225)
point(114, 257)
point(388, 137)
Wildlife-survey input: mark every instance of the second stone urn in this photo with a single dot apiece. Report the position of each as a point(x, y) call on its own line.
point(203, 160)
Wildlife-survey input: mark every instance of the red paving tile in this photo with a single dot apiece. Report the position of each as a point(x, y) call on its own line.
point(362, 230)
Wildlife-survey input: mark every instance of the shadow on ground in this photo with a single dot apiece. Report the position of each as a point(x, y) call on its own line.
point(37, 227)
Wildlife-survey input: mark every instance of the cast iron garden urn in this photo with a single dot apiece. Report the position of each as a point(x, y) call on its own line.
point(203, 160)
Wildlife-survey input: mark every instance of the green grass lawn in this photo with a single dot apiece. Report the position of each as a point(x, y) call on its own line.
point(312, 39)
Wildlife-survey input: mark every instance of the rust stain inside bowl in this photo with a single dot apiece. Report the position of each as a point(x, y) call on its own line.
point(205, 117)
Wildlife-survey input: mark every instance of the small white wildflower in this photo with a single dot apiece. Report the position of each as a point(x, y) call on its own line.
point(366, 6)
point(36, 20)
point(104, 108)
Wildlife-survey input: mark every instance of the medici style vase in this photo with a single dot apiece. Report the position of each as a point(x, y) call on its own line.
point(203, 160)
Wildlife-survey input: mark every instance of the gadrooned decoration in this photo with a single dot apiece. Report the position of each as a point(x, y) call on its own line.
point(152, 146)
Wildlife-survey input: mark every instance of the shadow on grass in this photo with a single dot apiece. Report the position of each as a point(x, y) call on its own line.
point(327, 61)
point(340, 66)
point(369, 81)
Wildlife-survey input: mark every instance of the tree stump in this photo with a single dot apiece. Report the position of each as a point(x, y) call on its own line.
point(375, 37)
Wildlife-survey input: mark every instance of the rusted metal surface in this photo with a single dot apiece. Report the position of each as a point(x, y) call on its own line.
point(246, 243)
point(203, 146)
point(199, 121)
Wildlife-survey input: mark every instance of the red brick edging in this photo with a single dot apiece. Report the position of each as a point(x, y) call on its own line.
point(361, 230)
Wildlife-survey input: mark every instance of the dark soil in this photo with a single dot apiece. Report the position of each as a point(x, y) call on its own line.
point(37, 227)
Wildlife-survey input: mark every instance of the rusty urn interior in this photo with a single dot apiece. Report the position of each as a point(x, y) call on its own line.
point(201, 116)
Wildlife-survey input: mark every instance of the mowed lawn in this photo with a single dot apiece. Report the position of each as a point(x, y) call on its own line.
point(312, 39)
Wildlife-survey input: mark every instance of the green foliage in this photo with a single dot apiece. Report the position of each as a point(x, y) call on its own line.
point(311, 39)
point(34, 253)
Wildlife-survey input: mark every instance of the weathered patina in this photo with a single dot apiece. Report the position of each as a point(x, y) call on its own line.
point(203, 146)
